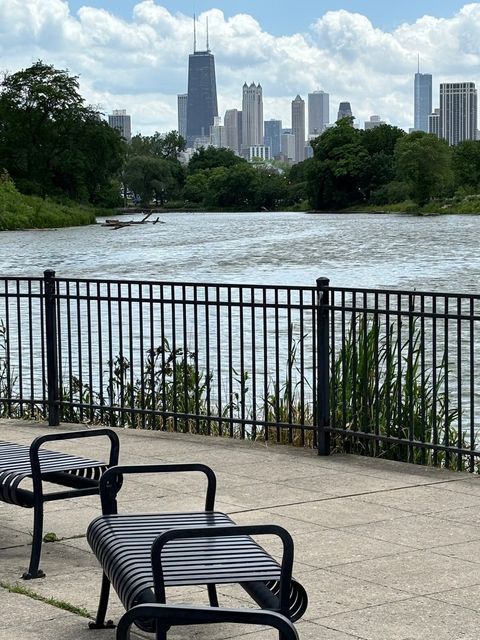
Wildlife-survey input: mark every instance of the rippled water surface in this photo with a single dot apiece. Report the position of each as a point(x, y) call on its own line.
point(359, 250)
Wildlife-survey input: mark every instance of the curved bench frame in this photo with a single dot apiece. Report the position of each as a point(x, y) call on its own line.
point(282, 594)
point(80, 475)
point(176, 616)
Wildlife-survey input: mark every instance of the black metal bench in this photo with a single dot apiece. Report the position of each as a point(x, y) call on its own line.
point(142, 554)
point(176, 616)
point(80, 475)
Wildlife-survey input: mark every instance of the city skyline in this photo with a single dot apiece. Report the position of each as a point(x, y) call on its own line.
point(136, 57)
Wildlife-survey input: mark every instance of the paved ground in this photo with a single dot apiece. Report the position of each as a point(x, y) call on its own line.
point(386, 551)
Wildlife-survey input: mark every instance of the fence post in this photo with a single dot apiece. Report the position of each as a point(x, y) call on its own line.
point(323, 368)
point(51, 346)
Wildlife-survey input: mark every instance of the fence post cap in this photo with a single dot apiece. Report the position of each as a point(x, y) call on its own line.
point(49, 273)
point(323, 282)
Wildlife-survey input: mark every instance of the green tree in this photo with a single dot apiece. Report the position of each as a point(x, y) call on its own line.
point(50, 141)
point(424, 162)
point(211, 158)
point(466, 165)
point(340, 172)
point(150, 177)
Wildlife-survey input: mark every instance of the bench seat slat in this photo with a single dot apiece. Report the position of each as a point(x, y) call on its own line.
point(15, 467)
point(122, 543)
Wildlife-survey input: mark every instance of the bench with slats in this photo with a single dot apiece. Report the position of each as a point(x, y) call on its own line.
point(79, 475)
point(143, 554)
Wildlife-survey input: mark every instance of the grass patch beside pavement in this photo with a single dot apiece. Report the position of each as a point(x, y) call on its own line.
point(54, 602)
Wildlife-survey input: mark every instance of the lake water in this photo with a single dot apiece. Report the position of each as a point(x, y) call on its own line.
point(358, 250)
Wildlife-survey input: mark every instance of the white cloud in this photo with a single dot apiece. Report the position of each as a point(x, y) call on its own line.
point(141, 64)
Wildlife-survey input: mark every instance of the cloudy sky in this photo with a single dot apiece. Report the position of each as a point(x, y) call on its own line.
point(134, 54)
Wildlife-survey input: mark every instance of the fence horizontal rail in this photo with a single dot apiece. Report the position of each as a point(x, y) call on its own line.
point(375, 372)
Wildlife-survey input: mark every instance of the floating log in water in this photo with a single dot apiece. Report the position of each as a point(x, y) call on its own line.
point(120, 224)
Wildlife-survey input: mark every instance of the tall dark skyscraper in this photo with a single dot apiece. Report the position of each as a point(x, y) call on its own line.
point(422, 100)
point(202, 94)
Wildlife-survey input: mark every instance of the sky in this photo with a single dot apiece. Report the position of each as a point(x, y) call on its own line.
point(133, 54)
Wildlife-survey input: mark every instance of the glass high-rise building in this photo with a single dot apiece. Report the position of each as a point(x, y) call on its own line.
point(344, 111)
point(318, 112)
point(182, 101)
point(202, 106)
point(422, 98)
point(272, 137)
point(458, 112)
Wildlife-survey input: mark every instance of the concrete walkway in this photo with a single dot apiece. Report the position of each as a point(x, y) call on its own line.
point(386, 551)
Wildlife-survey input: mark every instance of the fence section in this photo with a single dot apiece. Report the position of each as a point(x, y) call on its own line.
point(405, 374)
point(388, 373)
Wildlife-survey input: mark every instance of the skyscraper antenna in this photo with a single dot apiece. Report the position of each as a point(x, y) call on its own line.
point(208, 47)
point(194, 34)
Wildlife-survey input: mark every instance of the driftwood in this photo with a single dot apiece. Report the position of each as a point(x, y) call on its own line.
point(120, 224)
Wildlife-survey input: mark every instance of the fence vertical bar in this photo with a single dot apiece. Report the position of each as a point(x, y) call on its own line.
point(323, 373)
point(51, 344)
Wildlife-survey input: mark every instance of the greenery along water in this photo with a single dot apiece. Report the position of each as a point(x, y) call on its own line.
point(52, 143)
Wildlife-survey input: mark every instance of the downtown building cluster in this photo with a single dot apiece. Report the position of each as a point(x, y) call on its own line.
point(245, 131)
point(455, 120)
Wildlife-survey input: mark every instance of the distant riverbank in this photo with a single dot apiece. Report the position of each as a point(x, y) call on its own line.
point(18, 211)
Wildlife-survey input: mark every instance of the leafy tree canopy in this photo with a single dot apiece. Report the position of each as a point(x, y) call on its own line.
point(211, 157)
point(50, 141)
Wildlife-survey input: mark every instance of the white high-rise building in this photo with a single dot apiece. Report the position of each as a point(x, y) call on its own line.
point(217, 133)
point(122, 122)
point(298, 128)
point(233, 129)
point(458, 112)
point(252, 116)
point(288, 146)
point(318, 112)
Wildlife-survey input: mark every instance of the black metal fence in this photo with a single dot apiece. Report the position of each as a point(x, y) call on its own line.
point(388, 373)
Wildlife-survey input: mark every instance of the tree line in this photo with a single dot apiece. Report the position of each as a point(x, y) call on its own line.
point(53, 144)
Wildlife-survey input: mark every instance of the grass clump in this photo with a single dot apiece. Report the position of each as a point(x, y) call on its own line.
point(54, 602)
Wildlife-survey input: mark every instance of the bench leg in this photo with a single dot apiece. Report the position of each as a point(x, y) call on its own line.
point(33, 570)
point(102, 607)
point(212, 595)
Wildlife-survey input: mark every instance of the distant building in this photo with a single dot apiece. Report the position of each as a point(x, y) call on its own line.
point(217, 133)
point(458, 112)
point(422, 98)
point(202, 95)
point(182, 100)
point(344, 111)
point(233, 129)
point(318, 112)
point(288, 146)
point(375, 121)
point(258, 152)
point(252, 116)
point(298, 128)
point(272, 136)
point(122, 122)
point(434, 123)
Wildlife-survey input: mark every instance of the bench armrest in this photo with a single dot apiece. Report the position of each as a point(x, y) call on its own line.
point(286, 565)
point(111, 481)
point(69, 435)
point(181, 615)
